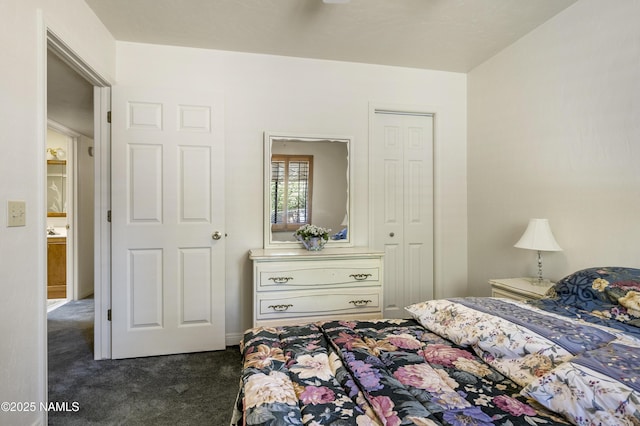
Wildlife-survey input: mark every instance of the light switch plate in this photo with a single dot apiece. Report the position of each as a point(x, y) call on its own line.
point(16, 213)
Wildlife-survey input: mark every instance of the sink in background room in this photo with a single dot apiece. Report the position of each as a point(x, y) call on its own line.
point(56, 232)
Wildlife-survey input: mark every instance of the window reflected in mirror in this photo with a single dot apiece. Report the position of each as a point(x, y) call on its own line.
point(291, 191)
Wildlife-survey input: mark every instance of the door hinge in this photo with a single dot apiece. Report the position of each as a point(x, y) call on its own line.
point(108, 116)
point(108, 314)
point(109, 216)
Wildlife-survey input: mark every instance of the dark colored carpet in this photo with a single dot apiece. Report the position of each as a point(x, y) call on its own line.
point(185, 389)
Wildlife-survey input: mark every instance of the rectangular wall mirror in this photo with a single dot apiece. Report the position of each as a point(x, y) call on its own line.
point(306, 180)
point(56, 188)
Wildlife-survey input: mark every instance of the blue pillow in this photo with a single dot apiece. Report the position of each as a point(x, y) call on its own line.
point(596, 288)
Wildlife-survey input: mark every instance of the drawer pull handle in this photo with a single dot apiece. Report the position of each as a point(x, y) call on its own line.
point(360, 302)
point(360, 277)
point(280, 280)
point(280, 308)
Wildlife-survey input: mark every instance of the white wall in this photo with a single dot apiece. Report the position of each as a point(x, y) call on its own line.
point(22, 126)
point(554, 133)
point(84, 179)
point(265, 93)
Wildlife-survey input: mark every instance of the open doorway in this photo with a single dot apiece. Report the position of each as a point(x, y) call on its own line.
point(70, 195)
point(70, 183)
point(77, 103)
point(69, 187)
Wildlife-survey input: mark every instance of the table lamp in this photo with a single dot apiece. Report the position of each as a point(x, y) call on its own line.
point(538, 236)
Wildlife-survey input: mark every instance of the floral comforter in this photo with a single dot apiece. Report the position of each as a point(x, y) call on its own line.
point(461, 361)
point(391, 372)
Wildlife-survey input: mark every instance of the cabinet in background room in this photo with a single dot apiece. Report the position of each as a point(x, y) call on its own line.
point(56, 268)
point(296, 286)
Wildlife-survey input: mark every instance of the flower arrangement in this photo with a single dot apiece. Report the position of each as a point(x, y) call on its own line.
point(309, 231)
point(312, 237)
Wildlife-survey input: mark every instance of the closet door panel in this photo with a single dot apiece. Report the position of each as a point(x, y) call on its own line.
point(401, 207)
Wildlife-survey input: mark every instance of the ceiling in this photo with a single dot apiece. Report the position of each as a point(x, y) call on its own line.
point(447, 35)
point(69, 97)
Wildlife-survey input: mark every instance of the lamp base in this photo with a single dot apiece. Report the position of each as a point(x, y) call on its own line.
point(540, 281)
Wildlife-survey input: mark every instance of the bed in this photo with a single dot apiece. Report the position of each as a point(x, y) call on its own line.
point(572, 357)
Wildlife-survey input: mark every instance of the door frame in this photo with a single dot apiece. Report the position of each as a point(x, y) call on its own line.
point(102, 162)
point(435, 111)
point(50, 40)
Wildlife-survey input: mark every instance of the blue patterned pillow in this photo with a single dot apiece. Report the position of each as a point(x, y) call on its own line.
point(596, 289)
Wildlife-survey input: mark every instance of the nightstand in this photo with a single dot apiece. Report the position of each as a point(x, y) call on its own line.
point(519, 288)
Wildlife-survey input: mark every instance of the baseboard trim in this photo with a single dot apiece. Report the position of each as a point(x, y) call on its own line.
point(233, 339)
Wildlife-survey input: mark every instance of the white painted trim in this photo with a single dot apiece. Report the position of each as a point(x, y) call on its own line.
point(40, 211)
point(102, 228)
point(437, 193)
point(61, 128)
point(57, 46)
point(50, 40)
point(233, 339)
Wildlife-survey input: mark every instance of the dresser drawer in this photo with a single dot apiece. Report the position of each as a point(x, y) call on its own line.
point(309, 303)
point(295, 286)
point(301, 275)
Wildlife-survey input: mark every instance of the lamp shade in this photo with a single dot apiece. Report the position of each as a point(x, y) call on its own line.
point(538, 236)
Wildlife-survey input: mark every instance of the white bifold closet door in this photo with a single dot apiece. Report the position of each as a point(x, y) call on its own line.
point(401, 212)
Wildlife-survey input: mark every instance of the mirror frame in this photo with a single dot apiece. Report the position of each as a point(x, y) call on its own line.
point(269, 137)
point(61, 163)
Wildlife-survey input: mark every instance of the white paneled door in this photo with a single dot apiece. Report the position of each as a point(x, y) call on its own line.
point(401, 162)
point(168, 241)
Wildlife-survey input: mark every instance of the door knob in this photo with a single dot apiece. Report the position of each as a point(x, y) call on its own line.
point(391, 234)
point(216, 235)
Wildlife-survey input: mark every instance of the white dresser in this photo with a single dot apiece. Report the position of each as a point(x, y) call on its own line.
point(296, 286)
